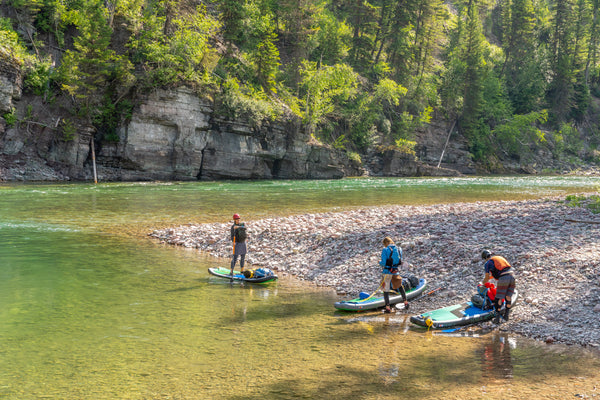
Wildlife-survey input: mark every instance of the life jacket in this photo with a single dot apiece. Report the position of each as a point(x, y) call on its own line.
point(500, 263)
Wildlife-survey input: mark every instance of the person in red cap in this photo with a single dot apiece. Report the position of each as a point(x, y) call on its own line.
point(238, 237)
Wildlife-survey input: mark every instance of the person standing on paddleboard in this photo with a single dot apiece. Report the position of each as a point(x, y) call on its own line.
point(498, 268)
point(391, 259)
point(238, 237)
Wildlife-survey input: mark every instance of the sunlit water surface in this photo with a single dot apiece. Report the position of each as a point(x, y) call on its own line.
point(93, 309)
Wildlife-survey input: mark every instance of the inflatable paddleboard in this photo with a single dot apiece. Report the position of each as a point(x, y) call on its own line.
point(456, 315)
point(361, 304)
point(238, 276)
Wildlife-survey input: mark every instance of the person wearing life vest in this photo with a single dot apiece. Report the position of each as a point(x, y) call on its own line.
point(238, 237)
point(391, 258)
point(498, 268)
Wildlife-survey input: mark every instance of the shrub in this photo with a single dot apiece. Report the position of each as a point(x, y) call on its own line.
point(592, 202)
point(406, 146)
point(10, 118)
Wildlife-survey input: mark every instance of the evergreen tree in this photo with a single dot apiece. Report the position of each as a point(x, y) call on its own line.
point(472, 53)
point(91, 66)
point(581, 93)
point(363, 19)
point(522, 73)
point(561, 91)
point(232, 16)
point(591, 66)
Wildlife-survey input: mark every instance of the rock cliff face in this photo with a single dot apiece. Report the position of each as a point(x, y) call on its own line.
point(11, 83)
point(174, 135)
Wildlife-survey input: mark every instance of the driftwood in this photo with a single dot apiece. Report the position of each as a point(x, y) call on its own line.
point(582, 221)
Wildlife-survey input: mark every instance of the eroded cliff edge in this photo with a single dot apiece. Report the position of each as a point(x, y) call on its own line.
point(172, 135)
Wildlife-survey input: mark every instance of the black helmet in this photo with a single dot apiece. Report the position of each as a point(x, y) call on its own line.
point(486, 254)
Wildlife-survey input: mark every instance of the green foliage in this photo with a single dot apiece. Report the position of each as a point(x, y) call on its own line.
point(331, 39)
point(67, 130)
point(353, 156)
point(11, 49)
point(324, 89)
point(591, 202)
point(174, 48)
point(110, 116)
point(406, 146)
point(357, 73)
point(40, 77)
point(521, 134)
point(376, 111)
point(10, 118)
point(252, 105)
point(266, 61)
point(567, 140)
point(91, 67)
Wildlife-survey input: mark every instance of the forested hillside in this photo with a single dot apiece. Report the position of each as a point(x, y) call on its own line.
point(512, 77)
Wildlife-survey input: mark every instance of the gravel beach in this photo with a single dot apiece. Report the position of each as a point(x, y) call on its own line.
point(553, 247)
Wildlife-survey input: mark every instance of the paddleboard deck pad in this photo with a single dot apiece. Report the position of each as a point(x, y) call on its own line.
point(455, 315)
point(238, 276)
point(377, 301)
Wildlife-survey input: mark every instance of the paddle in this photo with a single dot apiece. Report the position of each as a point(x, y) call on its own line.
point(401, 306)
point(233, 256)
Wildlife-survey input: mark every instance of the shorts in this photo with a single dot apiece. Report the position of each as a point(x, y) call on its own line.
point(240, 249)
point(505, 287)
point(387, 281)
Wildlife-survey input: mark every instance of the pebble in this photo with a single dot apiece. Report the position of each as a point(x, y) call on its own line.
point(555, 260)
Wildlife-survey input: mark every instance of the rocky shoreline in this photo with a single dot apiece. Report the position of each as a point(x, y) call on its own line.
point(553, 247)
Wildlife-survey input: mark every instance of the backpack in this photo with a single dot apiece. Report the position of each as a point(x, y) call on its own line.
point(390, 261)
point(240, 233)
point(262, 272)
point(482, 299)
point(406, 284)
point(478, 301)
point(414, 281)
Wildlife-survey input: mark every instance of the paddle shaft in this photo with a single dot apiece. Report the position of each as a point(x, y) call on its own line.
point(233, 257)
point(427, 294)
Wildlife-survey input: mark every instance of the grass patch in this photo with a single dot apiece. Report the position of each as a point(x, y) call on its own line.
point(592, 202)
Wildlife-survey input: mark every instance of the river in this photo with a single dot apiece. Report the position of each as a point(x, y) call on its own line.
point(92, 308)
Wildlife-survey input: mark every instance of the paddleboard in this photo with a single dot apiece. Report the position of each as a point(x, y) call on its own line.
point(456, 315)
point(361, 304)
point(238, 276)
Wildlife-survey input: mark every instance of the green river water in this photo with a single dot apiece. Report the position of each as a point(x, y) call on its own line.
point(92, 308)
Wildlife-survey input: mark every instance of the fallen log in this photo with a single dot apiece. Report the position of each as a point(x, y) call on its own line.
point(582, 221)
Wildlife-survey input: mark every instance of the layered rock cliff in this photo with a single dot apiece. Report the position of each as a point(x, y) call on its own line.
point(175, 135)
point(172, 135)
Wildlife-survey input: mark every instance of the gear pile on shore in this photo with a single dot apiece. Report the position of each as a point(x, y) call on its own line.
point(554, 249)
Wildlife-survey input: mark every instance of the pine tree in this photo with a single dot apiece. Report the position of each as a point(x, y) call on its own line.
point(522, 72)
point(473, 77)
point(561, 89)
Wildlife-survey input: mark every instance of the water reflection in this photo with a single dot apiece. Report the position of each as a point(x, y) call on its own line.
point(496, 362)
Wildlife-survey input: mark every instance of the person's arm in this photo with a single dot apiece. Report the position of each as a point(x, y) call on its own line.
point(488, 274)
point(487, 277)
point(232, 232)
